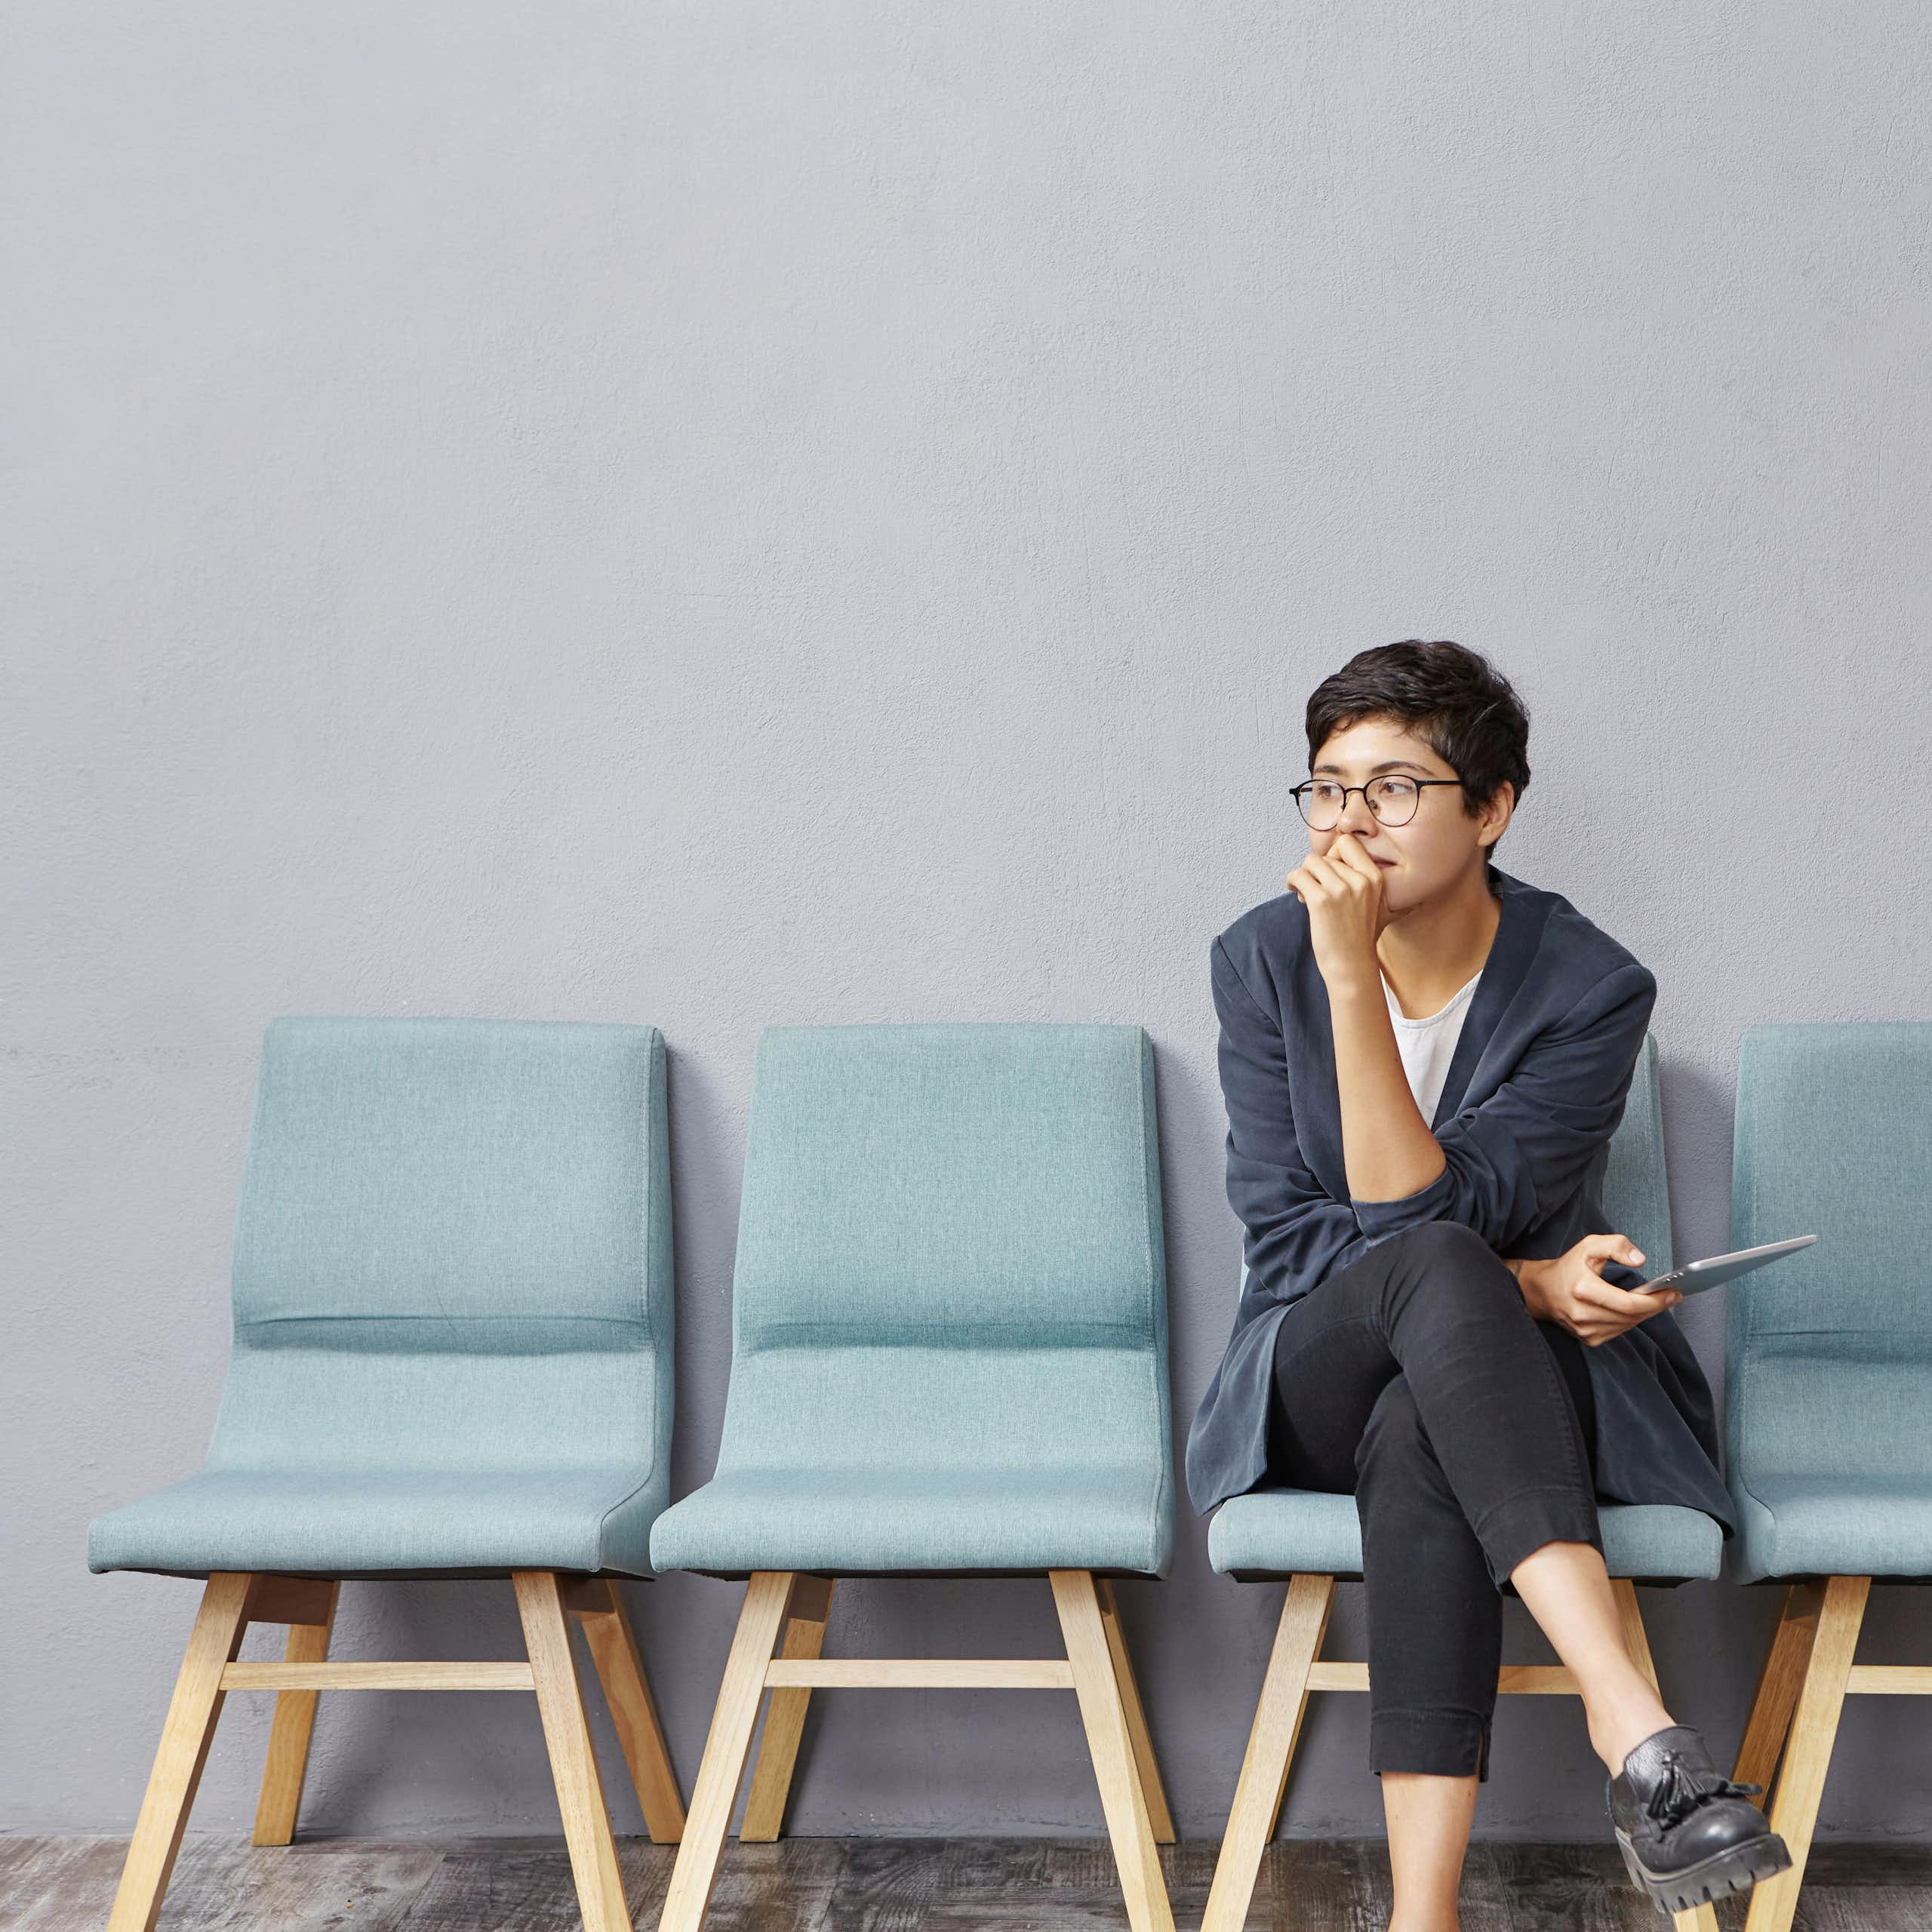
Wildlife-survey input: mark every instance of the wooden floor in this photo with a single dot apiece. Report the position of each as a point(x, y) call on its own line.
point(66, 1885)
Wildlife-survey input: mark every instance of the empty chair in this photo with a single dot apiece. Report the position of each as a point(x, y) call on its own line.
point(1828, 1393)
point(451, 1358)
point(948, 1359)
point(1313, 1539)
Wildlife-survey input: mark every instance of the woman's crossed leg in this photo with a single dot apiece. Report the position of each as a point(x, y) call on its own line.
point(1417, 1378)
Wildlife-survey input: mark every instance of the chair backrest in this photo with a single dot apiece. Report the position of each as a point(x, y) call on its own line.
point(1636, 1191)
point(453, 1250)
point(950, 1250)
point(1829, 1357)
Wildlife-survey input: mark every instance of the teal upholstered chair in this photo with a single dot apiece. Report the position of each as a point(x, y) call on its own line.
point(1828, 1400)
point(1314, 1539)
point(451, 1358)
point(948, 1359)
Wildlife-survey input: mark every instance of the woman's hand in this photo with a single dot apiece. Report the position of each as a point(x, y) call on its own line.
point(1570, 1291)
point(1342, 888)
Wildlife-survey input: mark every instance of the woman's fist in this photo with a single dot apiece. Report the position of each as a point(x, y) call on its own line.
point(1342, 889)
point(1570, 1291)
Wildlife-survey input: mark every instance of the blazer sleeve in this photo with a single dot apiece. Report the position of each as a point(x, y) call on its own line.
point(1526, 1149)
point(1296, 1233)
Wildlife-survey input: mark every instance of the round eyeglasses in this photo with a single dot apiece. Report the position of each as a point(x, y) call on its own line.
point(1392, 799)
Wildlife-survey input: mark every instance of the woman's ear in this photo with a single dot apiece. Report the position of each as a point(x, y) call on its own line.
point(1495, 814)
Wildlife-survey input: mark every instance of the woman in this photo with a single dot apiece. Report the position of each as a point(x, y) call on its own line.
point(1423, 1061)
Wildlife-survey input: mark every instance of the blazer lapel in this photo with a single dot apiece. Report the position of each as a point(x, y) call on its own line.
point(1519, 934)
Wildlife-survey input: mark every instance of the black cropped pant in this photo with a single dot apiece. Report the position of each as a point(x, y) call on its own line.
point(1417, 1377)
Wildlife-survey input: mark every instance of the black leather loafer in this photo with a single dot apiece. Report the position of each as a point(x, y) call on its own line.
point(1686, 1834)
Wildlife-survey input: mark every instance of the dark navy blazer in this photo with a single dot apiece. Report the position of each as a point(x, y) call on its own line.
point(1534, 1091)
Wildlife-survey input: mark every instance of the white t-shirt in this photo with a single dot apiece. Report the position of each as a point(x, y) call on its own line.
point(1427, 1045)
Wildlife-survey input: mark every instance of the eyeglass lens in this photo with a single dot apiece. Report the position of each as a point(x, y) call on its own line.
point(1392, 800)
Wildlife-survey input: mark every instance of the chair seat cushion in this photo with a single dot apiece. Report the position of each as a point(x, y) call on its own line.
point(342, 1523)
point(847, 1521)
point(1835, 1526)
point(1291, 1532)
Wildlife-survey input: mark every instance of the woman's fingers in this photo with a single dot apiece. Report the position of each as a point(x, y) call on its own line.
point(1324, 872)
point(1600, 1293)
point(1610, 1247)
point(1601, 1304)
point(1347, 855)
point(1591, 1290)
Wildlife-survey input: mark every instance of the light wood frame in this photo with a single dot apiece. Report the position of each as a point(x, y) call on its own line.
point(1296, 1668)
point(787, 1610)
point(546, 1601)
point(1808, 1673)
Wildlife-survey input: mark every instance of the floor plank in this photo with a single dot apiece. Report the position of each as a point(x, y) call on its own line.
point(222, 1884)
point(1864, 1909)
point(785, 1886)
point(1557, 1888)
point(1323, 1885)
point(1879, 1863)
point(985, 1884)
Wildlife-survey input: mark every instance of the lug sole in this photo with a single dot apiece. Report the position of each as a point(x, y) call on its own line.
point(1736, 1869)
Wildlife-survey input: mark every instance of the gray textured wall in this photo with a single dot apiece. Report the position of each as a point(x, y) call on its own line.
point(749, 513)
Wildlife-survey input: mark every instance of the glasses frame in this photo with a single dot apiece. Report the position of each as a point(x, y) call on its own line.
point(1308, 784)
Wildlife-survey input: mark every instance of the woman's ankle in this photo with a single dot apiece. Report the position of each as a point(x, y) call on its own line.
point(1616, 1732)
point(1436, 1920)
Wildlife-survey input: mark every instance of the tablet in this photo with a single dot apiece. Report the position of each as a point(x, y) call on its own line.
point(1697, 1276)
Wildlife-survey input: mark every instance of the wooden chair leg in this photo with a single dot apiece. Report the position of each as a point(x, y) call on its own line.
point(1786, 1659)
point(193, 1714)
point(1158, 1815)
point(1271, 1746)
point(294, 1725)
point(805, 1618)
point(1808, 1751)
point(600, 1888)
point(723, 1765)
point(1122, 1799)
point(613, 1643)
point(1699, 1918)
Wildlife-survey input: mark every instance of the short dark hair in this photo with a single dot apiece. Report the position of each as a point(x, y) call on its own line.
point(1450, 696)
